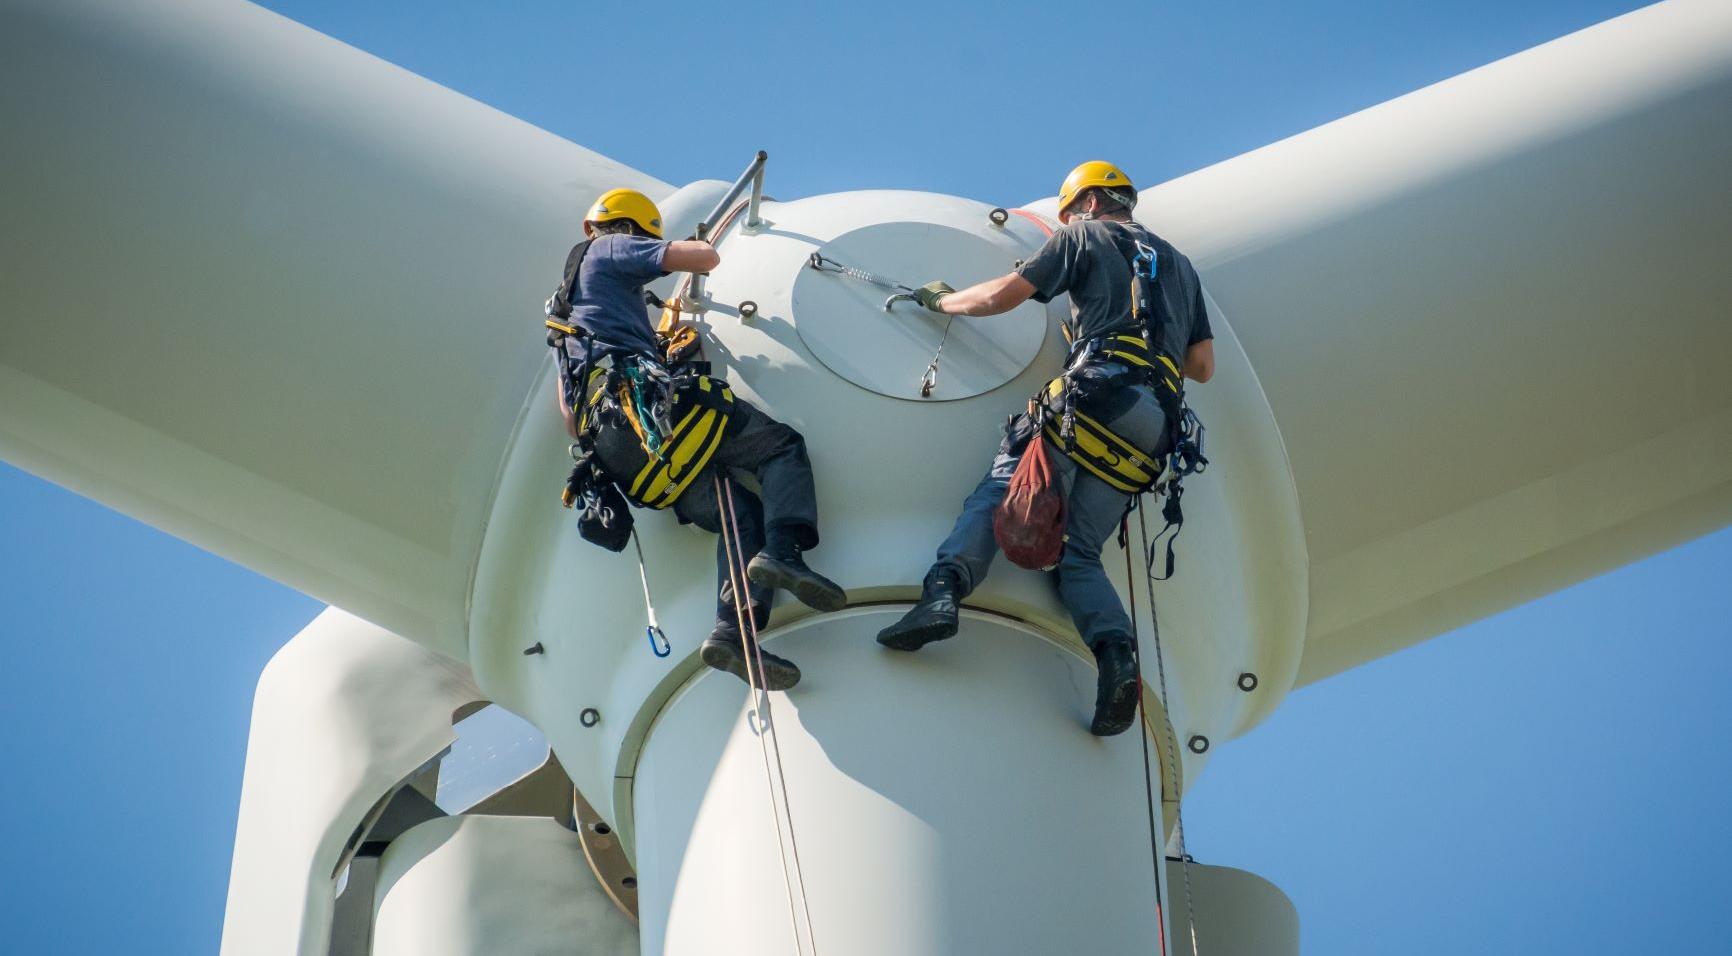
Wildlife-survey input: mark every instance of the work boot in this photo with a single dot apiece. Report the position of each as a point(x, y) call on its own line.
point(724, 651)
point(1116, 688)
point(933, 619)
point(780, 565)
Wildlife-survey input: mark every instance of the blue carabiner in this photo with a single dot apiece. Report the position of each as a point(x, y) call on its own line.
point(658, 641)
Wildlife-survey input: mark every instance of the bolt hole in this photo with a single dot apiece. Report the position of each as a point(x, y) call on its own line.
point(601, 828)
point(629, 882)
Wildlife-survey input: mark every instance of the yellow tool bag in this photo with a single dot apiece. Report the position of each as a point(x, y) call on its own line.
point(652, 464)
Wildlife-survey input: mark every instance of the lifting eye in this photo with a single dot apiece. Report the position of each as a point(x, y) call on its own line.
point(998, 216)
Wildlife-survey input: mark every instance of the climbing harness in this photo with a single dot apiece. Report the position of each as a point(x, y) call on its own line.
point(776, 781)
point(1087, 441)
point(898, 293)
point(1172, 742)
point(662, 427)
point(658, 639)
point(700, 409)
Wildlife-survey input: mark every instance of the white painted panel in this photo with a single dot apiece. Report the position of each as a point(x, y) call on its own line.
point(946, 802)
point(343, 714)
point(843, 321)
point(494, 886)
point(272, 294)
point(1491, 318)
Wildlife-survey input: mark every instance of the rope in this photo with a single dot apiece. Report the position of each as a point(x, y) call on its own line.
point(761, 713)
point(1142, 732)
point(1172, 740)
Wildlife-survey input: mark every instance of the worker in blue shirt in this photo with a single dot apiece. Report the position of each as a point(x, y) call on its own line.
point(602, 297)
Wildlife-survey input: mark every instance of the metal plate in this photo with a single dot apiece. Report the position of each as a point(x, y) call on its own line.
point(842, 319)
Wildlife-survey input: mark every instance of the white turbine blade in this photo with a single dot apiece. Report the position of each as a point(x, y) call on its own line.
point(1492, 320)
point(272, 294)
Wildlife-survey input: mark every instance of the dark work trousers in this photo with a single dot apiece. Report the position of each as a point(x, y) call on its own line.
point(774, 455)
point(1094, 507)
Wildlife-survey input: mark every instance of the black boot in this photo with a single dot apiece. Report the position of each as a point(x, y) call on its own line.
point(724, 651)
point(933, 619)
point(780, 565)
point(1117, 687)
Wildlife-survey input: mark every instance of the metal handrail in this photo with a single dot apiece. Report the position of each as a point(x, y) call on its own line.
point(754, 175)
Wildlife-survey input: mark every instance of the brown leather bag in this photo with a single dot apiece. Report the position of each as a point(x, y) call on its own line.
point(1029, 523)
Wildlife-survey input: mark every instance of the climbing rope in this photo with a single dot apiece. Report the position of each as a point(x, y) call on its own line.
point(658, 639)
point(1155, 854)
point(1161, 674)
point(761, 714)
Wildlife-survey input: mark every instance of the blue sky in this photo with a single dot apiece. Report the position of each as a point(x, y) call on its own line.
point(1547, 781)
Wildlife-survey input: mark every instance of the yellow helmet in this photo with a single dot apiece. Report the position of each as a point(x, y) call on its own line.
point(1095, 172)
point(625, 204)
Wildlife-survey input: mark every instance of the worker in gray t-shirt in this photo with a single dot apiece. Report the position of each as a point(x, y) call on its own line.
point(1090, 258)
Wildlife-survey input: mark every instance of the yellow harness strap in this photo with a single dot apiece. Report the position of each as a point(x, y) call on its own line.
point(1093, 445)
point(693, 443)
point(1105, 455)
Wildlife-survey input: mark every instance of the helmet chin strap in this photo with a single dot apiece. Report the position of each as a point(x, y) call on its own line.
point(1127, 202)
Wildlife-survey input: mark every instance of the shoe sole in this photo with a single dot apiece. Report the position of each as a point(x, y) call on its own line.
point(812, 589)
point(1120, 711)
point(917, 636)
point(778, 674)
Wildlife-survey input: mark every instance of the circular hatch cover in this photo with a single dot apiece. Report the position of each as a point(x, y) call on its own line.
point(842, 319)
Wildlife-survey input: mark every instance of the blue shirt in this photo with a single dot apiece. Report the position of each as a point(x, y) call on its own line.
point(607, 298)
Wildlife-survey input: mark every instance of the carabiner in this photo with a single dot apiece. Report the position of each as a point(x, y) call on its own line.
point(929, 379)
point(658, 641)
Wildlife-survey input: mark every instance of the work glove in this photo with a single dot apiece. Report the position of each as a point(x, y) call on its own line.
point(929, 294)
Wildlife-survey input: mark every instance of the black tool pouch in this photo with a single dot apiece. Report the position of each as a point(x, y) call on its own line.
point(604, 518)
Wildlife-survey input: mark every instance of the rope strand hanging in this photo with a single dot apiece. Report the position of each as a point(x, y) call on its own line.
point(763, 717)
point(1157, 858)
point(1171, 739)
point(1142, 731)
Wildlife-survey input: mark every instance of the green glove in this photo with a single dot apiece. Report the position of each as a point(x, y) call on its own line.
point(929, 294)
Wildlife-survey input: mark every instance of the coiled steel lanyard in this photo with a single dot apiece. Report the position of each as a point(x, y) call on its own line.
point(898, 293)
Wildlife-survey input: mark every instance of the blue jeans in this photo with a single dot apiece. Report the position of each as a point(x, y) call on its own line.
point(1094, 507)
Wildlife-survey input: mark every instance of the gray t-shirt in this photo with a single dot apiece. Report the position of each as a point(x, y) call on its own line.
point(607, 298)
point(1091, 259)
